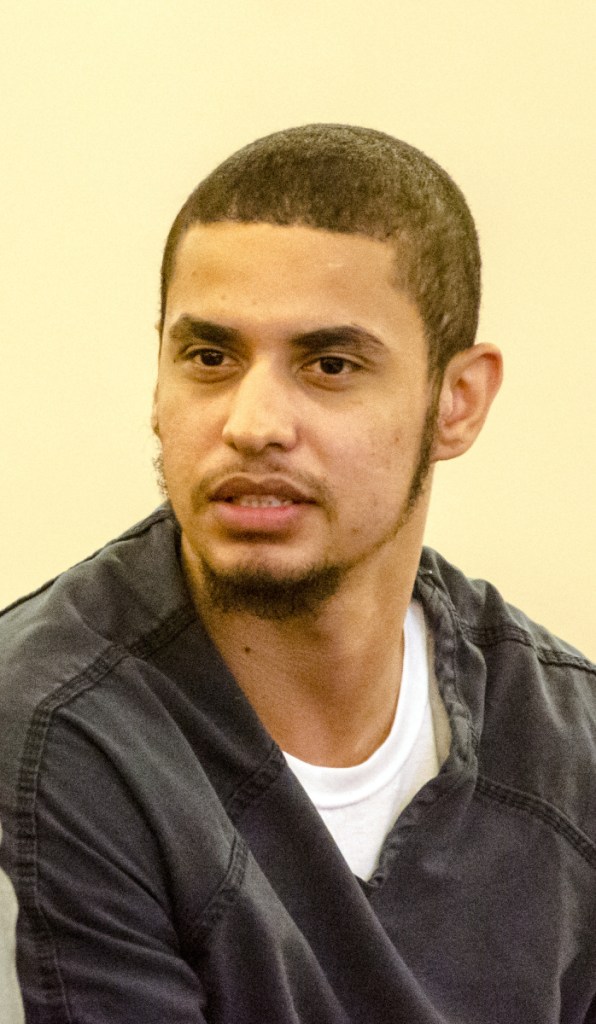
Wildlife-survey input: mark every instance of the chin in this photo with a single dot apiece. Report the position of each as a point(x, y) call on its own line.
point(270, 593)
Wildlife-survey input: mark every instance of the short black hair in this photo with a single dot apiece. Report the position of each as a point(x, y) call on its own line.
point(356, 181)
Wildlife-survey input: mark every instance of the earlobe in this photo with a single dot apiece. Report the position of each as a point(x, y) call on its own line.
point(470, 383)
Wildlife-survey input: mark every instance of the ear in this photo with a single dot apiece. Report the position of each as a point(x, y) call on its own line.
point(471, 381)
point(158, 328)
point(154, 420)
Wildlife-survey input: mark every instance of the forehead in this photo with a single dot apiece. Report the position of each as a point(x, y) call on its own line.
point(276, 266)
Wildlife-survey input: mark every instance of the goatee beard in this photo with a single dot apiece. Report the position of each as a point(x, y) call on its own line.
point(257, 592)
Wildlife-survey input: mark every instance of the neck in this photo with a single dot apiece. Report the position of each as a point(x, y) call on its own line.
point(325, 686)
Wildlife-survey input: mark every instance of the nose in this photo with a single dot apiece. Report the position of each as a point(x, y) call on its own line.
point(261, 413)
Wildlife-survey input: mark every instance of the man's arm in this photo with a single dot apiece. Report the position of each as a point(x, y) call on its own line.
point(98, 935)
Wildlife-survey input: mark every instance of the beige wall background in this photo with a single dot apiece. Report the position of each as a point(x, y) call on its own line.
point(112, 111)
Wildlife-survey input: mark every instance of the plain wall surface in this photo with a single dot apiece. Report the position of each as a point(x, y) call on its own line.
point(111, 114)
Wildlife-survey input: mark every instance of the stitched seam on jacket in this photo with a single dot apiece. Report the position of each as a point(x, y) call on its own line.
point(506, 631)
point(448, 640)
point(138, 530)
point(537, 808)
point(226, 894)
point(510, 632)
point(55, 999)
point(256, 785)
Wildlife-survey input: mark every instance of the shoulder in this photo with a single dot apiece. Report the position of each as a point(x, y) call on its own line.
point(479, 611)
point(528, 698)
point(121, 591)
point(71, 632)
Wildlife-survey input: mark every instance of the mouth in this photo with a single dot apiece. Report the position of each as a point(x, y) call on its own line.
point(248, 505)
point(259, 501)
point(267, 492)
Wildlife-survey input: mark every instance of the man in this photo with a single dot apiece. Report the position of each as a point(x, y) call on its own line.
point(265, 758)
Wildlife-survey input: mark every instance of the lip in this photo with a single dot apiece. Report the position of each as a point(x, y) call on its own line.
point(240, 485)
point(261, 520)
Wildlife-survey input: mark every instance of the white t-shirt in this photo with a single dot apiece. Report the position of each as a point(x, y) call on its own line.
point(360, 804)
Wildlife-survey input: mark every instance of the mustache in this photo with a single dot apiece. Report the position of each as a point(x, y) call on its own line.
point(307, 483)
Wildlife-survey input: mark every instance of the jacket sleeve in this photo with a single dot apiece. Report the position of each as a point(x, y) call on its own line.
point(99, 939)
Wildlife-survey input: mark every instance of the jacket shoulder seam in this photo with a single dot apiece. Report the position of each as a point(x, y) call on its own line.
point(132, 533)
point(509, 631)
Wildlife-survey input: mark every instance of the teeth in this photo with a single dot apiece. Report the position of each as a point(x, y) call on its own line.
point(261, 501)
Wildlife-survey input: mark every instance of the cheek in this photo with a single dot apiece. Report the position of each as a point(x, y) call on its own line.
point(378, 448)
point(181, 447)
point(183, 425)
point(370, 466)
point(375, 470)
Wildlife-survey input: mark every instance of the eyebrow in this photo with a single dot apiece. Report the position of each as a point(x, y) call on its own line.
point(187, 327)
point(345, 336)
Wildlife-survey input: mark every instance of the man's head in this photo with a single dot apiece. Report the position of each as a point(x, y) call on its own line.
point(353, 180)
point(320, 300)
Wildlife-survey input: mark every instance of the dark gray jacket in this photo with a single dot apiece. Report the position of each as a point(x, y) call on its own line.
point(170, 868)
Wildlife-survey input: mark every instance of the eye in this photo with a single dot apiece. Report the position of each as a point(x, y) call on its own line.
point(330, 369)
point(333, 365)
point(209, 356)
point(210, 364)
